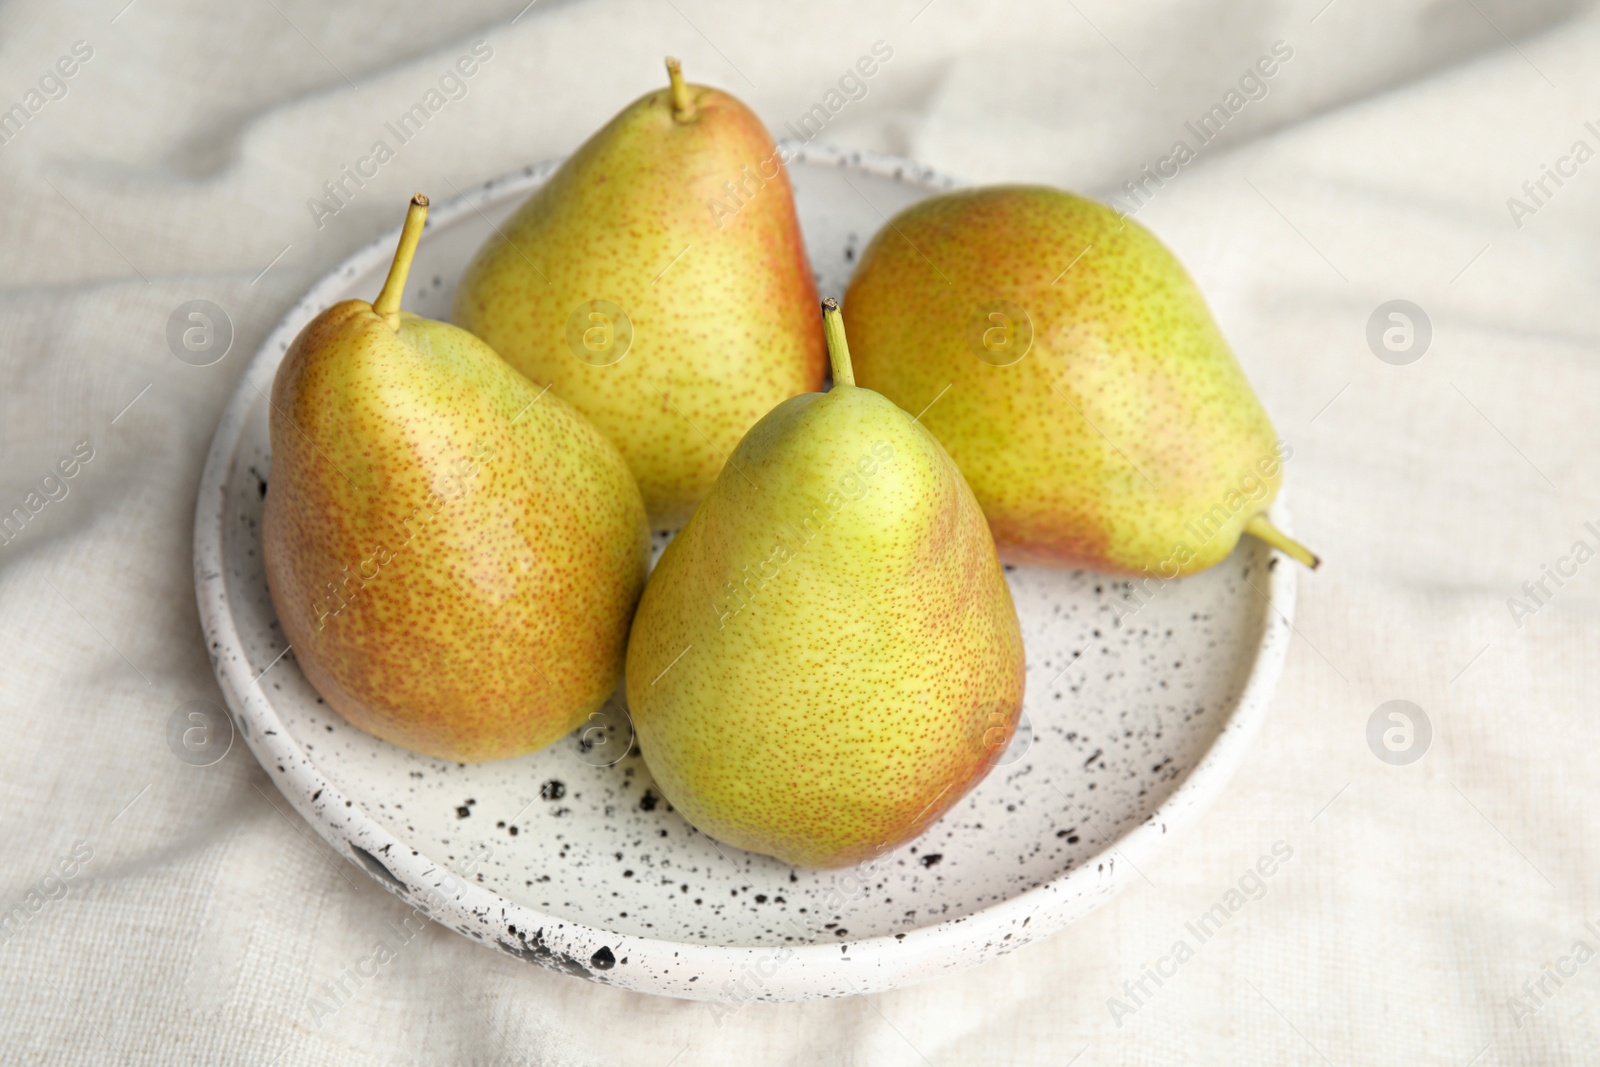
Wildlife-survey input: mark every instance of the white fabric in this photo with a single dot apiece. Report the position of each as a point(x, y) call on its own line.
point(1378, 165)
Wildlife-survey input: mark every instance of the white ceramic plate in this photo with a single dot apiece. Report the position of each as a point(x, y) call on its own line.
point(569, 858)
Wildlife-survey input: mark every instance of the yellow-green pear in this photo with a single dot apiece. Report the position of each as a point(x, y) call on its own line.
point(454, 556)
point(658, 282)
point(1072, 369)
point(827, 657)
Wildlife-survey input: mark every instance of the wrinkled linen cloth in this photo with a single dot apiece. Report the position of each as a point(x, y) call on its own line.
point(1437, 153)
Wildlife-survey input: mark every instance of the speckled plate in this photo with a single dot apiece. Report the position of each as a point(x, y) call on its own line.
point(570, 859)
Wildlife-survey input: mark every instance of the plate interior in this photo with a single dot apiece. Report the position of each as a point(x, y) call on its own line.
point(1119, 711)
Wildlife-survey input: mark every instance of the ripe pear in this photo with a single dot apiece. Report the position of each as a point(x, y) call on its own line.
point(827, 657)
point(454, 556)
point(659, 283)
point(1072, 369)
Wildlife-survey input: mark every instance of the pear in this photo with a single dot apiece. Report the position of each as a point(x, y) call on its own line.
point(454, 555)
point(1072, 369)
point(658, 282)
point(827, 657)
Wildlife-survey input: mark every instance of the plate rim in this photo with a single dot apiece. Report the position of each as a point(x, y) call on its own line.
point(891, 960)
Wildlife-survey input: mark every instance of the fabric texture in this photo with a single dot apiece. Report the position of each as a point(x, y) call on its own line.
point(1438, 912)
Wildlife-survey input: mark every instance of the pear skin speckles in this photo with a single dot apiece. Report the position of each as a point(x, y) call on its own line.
point(682, 238)
point(827, 657)
point(454, 557)
point(1125, 437)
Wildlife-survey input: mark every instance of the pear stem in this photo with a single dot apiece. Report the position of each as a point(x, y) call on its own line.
point(682, 106)
point(388, 303)
point(1262, 528)
point(838, 348)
